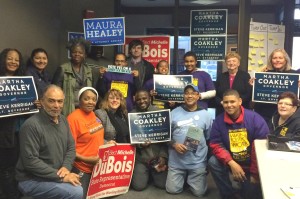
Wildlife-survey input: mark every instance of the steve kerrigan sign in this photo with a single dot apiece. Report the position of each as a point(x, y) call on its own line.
point(17, 95)
point(153, 126)
point(268, 86)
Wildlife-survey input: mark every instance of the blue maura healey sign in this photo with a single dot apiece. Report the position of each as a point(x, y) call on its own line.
point(152, 126)
point(105, 31)
point(17, 95)
point(268, 86)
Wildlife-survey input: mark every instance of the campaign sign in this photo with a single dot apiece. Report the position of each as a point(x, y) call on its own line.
point(118, 69)
point(153, 126)
point(156, 48)
point(209, 47)
point(170, 87)
point(74, 35)
point(105, 31)
point(112, 175)
point(17, 95)
point(268, 86)
point(208, 22)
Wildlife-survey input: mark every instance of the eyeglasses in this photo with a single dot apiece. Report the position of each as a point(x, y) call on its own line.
point(284, 104)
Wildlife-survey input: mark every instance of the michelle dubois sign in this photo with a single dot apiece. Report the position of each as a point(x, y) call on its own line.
point(170, 87)
point(153, 126)
point(268, 86)
point(156, 48)
point(112, 175)
point(17, 95)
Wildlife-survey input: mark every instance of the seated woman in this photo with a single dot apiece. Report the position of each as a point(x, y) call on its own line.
point(286, 121)
point(88, 134)
point(113, 114)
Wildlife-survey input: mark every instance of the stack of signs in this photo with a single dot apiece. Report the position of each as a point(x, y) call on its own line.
point(208, 34)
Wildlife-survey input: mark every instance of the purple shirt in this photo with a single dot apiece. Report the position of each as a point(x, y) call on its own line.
point(203, 80)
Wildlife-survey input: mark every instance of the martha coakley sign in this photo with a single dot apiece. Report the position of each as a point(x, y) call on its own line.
point(112, 175)
point(170, 87)
point(268, 86)
point(152, 126)
point(17, 95)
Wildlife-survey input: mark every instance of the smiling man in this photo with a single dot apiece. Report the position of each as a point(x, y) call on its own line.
point(231, 142)
point(188, 149)
point(47, 152)
point(150, 158)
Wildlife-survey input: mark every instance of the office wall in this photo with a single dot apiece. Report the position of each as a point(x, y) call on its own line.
point(136, 24)
point(29, 24)
point(72, 15)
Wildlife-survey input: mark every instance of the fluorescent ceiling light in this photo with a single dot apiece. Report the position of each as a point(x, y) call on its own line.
point(203, 2)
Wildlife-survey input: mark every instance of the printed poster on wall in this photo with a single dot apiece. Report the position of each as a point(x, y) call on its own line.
point(112, 175)
point(153, 126)
point(170, 87)
point(209, 47)
point(17, 95)
point(156, 48)
point(208, 22)
point(268, 86)
point(263, 39)
point(105, 31)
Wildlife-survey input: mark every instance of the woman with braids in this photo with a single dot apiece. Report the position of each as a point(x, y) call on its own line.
point(74, 75)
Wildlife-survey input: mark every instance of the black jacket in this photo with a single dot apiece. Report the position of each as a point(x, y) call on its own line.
point(290, 128)
point(240, 84)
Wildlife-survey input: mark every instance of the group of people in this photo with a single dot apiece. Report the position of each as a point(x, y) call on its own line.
point(52, 153)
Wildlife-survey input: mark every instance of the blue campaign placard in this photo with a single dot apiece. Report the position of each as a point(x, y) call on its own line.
point(170, 87)
point(208, 22)
point(209, 47)
point(105, 31)
point(75, 35)
point(17, 95)
point(153, 126)
point(268, 86)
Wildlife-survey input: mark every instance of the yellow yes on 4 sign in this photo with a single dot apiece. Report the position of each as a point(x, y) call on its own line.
point(121, 86)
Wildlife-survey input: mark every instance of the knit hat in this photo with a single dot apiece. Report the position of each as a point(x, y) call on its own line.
point(87, 88)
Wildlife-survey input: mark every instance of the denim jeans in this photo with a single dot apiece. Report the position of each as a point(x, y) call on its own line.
point(196, 179)
point(221, 173)
point(50, 190)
